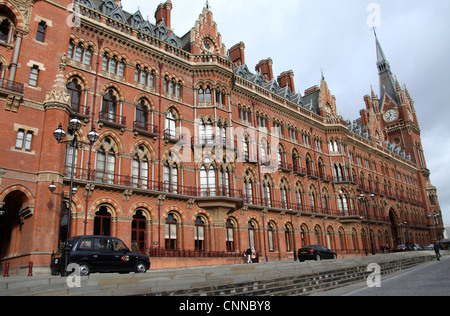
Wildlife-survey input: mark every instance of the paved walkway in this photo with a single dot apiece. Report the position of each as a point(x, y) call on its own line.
point(177, 279)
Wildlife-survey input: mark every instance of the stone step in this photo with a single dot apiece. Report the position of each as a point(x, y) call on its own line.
point(272, 278)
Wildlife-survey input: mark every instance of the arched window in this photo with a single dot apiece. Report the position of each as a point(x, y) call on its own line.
point(289, 237)
point(284, 194)
point(343, 202)
point(199, 234)
point(224, 180)
point(170, 176)
point(138, 227)
point(230, 236)
point(251, 234)
point(208, 181)
point(6, 26)
point(271, 236)
point(106, 163)
point(109, 106)
point(267, 192)
point(170, 130)
point(102, 222)
point(139, 172)
point(74, 90)
point(299, 198)
point(208, 97)
point(142, 116)
point(171, 233)
point(342, 241)
point(248, 188)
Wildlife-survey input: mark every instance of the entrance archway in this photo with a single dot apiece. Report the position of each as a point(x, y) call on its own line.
point(15, 210)
point(395, 223)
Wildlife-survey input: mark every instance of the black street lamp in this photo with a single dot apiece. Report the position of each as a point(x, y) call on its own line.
point(363, 198)
point(60, 134)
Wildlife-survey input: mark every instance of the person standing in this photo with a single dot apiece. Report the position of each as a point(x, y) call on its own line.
point(437, 251)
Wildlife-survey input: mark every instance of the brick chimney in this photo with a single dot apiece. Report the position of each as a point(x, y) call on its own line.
point(265, 68)
point(164, 12)
point(287, 79)
point(237, 54)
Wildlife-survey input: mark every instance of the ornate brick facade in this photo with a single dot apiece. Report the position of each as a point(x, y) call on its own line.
point(198, 158)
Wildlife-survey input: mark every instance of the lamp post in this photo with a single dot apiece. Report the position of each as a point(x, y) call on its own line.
point(405, 223)
point(293, 236)
point(362, 198)
point(60, 134)
point(434, 217)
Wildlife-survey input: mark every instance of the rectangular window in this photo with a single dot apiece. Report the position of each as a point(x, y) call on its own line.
point(34, 73)
point(24, 139)
point(40, 35)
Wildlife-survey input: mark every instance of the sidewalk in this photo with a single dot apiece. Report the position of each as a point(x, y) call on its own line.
point(157, 281)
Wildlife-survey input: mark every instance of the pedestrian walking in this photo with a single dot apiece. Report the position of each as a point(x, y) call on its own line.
point(437, 250)
point(248, 253)
point(253, 254)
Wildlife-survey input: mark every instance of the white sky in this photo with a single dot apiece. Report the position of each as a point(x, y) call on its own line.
point(307, 36)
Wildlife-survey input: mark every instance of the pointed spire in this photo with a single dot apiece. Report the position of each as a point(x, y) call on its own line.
point(382, 63)
point(387, 85)
point(59, 89)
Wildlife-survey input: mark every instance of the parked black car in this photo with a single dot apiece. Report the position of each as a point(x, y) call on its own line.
point(99, 254)
point(315, 252)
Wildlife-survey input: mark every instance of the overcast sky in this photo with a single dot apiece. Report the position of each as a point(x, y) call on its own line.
point(334, 36)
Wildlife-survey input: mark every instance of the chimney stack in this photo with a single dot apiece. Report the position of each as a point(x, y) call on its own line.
point(237, 54)
point(164, 13)
point(265, 68)
point(287, 79)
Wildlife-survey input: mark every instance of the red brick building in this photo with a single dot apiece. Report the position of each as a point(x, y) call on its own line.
point(198, 157)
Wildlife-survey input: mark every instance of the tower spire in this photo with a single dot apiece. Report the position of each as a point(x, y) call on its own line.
point(384, 72)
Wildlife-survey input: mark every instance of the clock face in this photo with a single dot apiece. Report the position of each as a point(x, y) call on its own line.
point(391, 115)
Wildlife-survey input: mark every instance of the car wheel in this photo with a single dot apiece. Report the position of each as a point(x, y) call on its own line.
point(141, 267)
point(84, 269)
point(317, 257)
point(335, 256)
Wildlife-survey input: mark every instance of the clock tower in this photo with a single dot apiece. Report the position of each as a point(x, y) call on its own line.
point(396, 114)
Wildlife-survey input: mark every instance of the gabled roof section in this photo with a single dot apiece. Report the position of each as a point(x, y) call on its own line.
point(136, 20)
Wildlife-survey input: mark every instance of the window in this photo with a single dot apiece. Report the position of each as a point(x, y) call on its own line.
point(142, 116)
point(74, 90)
point(102, 222)
point(106, 162)
point(109, 105)
point(171, 232)
point(139, 172)
point(23, 139)
point(289, 237)
point(271, 237)
point(5, 31)
point(170, 176)
point(251, 234)
point(199, 234)
point(34, 73)
point(138, 243)
point(230, 236)
point(170, 131)
point(248, 190)
point(40, 36)
point(208, 181)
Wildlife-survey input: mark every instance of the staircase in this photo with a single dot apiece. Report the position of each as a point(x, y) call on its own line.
point(265, 279)
point(300, 285)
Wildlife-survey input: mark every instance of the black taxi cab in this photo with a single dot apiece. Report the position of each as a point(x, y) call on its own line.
point(91, 254)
